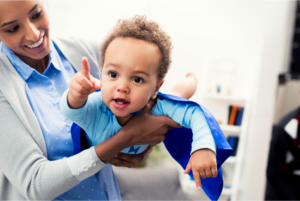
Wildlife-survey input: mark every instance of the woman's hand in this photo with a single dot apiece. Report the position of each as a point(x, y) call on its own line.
point(140, 129)
point(130, 160)
point(147, 128)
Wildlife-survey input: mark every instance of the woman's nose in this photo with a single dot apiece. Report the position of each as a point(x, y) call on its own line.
point(123, 88)
point(32, 33)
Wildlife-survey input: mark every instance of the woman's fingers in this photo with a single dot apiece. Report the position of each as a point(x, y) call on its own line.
point(130, 160)
point(120, 163)
point(147, 151)
point(149, 106)
point(172, 124)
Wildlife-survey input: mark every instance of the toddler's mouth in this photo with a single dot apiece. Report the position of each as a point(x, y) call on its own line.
point(120, 103)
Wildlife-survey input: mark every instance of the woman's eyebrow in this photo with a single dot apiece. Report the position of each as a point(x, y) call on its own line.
point(11, 22)
point(8, 23)
point(32, 9)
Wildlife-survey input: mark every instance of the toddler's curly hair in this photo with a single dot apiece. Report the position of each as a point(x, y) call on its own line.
point(139, 28)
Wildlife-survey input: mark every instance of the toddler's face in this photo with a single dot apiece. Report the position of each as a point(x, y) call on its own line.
point(129, 75)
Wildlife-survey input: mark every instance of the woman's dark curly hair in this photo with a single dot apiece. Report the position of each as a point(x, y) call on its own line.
point(139, 28)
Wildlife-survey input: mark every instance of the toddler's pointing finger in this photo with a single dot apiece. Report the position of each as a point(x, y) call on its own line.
point(85, 68)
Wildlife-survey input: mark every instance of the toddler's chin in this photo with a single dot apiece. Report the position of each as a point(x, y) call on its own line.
point(120, 114)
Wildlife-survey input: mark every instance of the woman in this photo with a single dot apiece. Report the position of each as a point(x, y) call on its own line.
point(36, 149)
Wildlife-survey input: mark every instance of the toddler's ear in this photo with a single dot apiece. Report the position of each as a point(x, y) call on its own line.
point(159, 84)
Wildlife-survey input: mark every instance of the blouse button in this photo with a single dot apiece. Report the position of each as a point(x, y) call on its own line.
point(93, 164)
point(77, 172)
point(85, 168)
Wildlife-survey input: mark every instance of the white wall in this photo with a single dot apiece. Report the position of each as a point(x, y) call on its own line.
point(254, 35)
point(202, 32)
point(274, 49)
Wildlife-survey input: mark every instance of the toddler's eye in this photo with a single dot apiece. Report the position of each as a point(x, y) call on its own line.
point(137, 79)
point(113, 74)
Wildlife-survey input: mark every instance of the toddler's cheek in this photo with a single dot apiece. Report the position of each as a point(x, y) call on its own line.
point(105, 96)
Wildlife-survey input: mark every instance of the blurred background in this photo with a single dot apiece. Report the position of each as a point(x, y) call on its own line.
point(237, 49)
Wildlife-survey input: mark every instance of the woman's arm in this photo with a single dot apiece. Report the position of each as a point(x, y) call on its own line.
point(24, 164)
point(36, 178)
point(139, 130)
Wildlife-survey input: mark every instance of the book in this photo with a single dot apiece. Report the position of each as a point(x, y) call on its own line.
point(239, 117)
point(233, 142)
point(229, 113)
point(233, 115)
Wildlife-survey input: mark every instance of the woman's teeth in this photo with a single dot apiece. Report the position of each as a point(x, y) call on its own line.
point(36, 44)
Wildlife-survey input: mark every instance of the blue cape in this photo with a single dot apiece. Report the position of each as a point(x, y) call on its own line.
point(178, 142)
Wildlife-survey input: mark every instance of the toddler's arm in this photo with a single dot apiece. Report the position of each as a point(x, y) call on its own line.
point(203, 159)
point(76, 104)
point(81, 86)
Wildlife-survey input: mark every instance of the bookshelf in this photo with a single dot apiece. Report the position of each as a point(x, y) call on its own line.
point(232, 168)
point(235, 99)
point(230, 130)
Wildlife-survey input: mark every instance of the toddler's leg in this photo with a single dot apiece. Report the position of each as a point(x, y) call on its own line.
point(186, 87)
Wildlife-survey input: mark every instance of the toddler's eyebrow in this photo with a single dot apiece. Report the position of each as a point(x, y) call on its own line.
point(142, 73)
point(117, 66)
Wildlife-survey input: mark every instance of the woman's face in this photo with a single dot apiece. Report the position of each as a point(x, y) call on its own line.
point(24, 28)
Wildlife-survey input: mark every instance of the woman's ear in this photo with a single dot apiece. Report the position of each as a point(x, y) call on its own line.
point(159, 84)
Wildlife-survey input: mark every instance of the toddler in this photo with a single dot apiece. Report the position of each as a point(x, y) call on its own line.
point(135, 58)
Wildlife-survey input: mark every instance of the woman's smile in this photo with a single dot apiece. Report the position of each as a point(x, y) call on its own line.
point(37, 44)
point(24, 28)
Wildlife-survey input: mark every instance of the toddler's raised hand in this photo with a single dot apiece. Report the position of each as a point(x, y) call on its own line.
point(82, 85)
point(203, 163)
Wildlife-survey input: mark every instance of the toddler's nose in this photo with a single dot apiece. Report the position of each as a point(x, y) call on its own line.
point(123, 88)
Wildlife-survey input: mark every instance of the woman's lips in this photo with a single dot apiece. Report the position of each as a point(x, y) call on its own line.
point(38, 46)
point(120, 103)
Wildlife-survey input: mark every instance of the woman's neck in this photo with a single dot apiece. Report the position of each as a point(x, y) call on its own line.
point(39, 65)
point(123, 120)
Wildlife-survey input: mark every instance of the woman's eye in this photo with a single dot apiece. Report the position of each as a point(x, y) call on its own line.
point(36, 15)
point(137, 79)
point(113, 74)
point(13, 29)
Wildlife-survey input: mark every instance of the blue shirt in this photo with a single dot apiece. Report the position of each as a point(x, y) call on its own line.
point(44, 92)
point(100, 123)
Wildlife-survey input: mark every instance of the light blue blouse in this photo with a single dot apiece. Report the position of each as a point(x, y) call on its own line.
point(44, 92)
